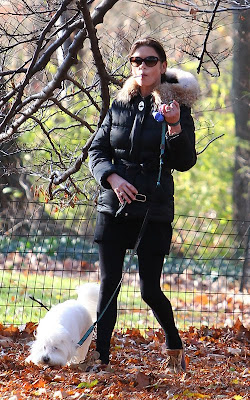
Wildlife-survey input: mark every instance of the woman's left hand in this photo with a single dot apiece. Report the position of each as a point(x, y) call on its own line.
point(171, 112)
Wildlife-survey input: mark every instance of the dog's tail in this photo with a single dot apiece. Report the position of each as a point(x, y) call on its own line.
point(88, 295)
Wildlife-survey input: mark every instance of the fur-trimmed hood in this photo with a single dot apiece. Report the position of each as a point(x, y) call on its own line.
point(180, 86)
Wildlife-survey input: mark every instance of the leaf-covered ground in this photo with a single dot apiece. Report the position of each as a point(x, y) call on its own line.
point(218, 368)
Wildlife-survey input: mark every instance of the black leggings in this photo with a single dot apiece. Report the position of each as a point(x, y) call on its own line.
point(111, 258)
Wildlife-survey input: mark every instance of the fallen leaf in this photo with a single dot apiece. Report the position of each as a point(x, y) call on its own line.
point(39, 392)
point(88, 385)
point(5, 341)
point(58, 395)
point(194, 394)
point(142, 380)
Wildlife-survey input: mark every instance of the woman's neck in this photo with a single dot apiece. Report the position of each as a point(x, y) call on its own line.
point(145, 93)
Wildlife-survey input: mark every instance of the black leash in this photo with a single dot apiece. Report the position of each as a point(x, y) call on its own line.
point(138, 240)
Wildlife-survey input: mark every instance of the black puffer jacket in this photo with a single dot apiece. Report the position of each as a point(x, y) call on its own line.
point(128, 143)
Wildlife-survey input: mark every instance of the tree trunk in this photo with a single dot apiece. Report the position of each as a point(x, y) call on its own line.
point(241, 185)
point(13, 186)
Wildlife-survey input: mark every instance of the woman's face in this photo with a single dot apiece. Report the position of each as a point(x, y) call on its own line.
point(147, 77)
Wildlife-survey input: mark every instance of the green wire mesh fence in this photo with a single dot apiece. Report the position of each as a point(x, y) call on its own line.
point(46, 251)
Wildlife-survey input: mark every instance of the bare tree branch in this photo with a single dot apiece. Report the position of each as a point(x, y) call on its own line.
point(210, 141)
point(191, 5)
point(204, 50)
point(69, 61)
point(48, 91)
point(30, 71)
point(104, 77)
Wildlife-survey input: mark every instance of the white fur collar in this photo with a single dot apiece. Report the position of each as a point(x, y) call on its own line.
point(180, 86)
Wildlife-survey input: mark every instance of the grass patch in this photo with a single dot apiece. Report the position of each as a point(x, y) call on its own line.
point(15, 305)
point(17, 308)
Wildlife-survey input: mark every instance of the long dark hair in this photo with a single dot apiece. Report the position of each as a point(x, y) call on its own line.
point(155, 44)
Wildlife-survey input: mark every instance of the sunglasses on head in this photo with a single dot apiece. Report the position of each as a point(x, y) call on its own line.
point(150, 61)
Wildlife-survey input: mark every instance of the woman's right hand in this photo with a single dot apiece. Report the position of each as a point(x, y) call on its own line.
point(122, 188)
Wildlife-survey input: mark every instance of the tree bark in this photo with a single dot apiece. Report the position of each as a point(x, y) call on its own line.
point(241, 185)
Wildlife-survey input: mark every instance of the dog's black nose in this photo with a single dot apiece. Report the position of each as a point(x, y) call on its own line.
point(46, 359)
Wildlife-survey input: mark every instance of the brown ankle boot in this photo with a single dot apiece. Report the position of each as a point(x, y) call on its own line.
point(175, 361)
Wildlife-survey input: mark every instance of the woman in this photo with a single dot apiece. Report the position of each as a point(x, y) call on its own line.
point(124, 159)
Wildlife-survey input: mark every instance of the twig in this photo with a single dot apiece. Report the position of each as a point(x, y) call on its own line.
point(39, 302)
point(72, 115)
point(15, 227)
point(204, 50)
point(212, 140)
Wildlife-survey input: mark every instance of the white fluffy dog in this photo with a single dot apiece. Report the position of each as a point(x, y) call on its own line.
point(63, 326)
